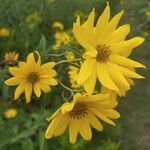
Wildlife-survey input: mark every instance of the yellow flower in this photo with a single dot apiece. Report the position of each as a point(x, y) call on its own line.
point(148, 13)
point(80, 115)
point(61, 38)
point(10, 113)
point(73, 76)
point(106, 52)
point(4, 32)
point(11, 57)
point(32, 76)
point(69, 55)
point(58, 25)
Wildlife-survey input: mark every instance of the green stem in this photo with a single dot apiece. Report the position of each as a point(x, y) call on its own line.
point(66, 61)
point(24, 134)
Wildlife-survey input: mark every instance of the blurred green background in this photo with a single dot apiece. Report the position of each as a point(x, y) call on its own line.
point(27, 21)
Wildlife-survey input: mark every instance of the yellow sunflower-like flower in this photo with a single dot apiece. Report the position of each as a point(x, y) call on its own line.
point(106, 52)
point(70, 55)
point(73, 76)
point(4, 32)
point(11, 57)
point(32, 76)
point(10, 113)
point(58, 25)
point(81, 114)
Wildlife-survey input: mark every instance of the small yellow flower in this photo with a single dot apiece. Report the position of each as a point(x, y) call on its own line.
point(32, 20)
point(58, 25)
point(148, 13)
point(81, 114)
point(10, 113)
point(32, 76)
point(69, 55)
point(73, 76)
point(11, 57)
point(106, 52)
point(61, 38)
point(4, 32)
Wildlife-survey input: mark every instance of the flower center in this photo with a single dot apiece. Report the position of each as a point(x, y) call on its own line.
point(79, 111)
point(33, 77)
point(103, 53)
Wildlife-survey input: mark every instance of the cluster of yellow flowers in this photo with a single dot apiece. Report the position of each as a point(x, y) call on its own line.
point(61, 37)
point(104, 62)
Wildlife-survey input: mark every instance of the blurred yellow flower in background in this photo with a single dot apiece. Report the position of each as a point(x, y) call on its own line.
point(61, 38)
point(106, 52)
point(10, 113)
point(4, 32)
point(58, 25)
point(11, 57)
point(32, 20)
point(73, 76)
point(147, 13)
point(32, 76)
point(70, 55)
point(81, 114)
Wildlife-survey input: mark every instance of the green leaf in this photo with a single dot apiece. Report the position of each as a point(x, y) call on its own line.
point(42, 45)
point(27, 145)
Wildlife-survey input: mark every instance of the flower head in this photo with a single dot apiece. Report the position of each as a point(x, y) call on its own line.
point(70, 55)
point(81, 114)
point(11, 57)
point(32, 76)
point(10, 113)
point(106, 52)
point(61, 38)
point(4, 32)
point(58, 25)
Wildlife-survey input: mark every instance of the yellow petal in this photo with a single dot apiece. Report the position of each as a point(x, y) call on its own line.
point(31, 59)
point(102, 24)
point(94, 122)
point(102, 117)
point(68, 106)
point(85, 129)
point(128, 73)
point(82, 36)
point(73, 130)
point(113, 24)
point(19, 90)
point(116, 75)
point(62, 125)
point(52, 127)
point(28, 92)
point(14, 81)
point(120, 60)
point(104, 77)
point(88, 25)
point(53, 115)
point(44, 87)
point(110, 113)
point(86, 70)
point(97, 97)
point(90, 83)
point(126, 45)
point(119, 35)
point(51, 81)
point(37, 89)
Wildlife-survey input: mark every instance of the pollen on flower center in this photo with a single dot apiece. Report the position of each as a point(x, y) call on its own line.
point(103, 52)
point(79, 111)
point(33, 77)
